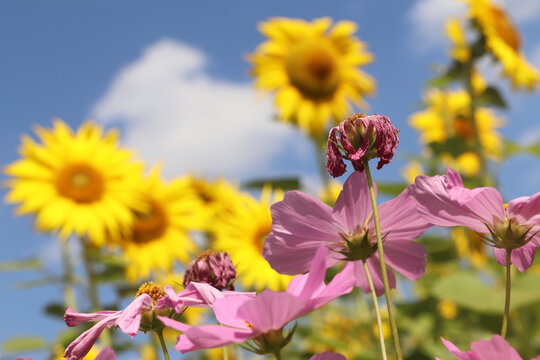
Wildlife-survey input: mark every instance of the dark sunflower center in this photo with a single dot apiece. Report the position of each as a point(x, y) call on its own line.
point(149, 225)
point(313, 69)
point(463, 127)
point(81, 183)
point(260, 236)
point(505, 28)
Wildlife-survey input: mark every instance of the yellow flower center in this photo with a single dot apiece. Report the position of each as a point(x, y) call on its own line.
point(149, 225)
point(81, 183)
point(260, 236)
point(462, 127)
point(204, 255)
point(313, 69)
point(504, 28)
point(151, 289)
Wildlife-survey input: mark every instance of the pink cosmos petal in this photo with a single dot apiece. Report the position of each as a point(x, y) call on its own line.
point(177, 325)
point(522, 257)
point(25, 358)
point(500, 256)
point(399, 219)
point(305, 286)
point(375, 272)
point(106, 354)
point(341, 284)
point(303, 223)
point(407, 257)
point(226, 310)
point(82, 345)
point(461, 355)
point(442, 200)
point(271, 310)
point(129, 320)
point(495, 349)
point(335, 165)
point(73, 318)
point(328, 356)
point(211, 336)
point(526, 209)
point(353, 205)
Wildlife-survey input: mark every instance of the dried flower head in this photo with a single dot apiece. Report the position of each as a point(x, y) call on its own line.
point(211, 267)
point(361, 137)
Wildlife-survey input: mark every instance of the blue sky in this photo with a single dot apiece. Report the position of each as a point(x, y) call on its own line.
point(173, 76)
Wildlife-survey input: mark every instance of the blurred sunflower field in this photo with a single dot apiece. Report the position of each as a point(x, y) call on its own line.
point(194, 180)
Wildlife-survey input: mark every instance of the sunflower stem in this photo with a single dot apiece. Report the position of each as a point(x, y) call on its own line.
point(69, 290)
point(389, 305)
point(377, 311)
point(321, 161)
point(507, 298)
point(159, 334)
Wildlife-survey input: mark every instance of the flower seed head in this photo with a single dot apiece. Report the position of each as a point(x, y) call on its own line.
point(211, 267)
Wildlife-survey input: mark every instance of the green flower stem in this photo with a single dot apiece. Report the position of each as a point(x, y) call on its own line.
point(225, 353)
point(321, 162)
point(69, 290)
point(159, 334)
point(277, 355)
point(377, 311)
point(391, 314)
point(507, 298)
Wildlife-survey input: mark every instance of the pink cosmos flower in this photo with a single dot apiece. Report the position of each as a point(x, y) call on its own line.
point(105, 354)
point(302, 223)
point(361, 137)
point(327, 356)
point(495, 349)
point(443, 200)
point(263, 317)
point(132, 318)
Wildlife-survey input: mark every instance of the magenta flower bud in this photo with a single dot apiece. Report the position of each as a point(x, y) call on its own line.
point(213, 268)
point(361, 137)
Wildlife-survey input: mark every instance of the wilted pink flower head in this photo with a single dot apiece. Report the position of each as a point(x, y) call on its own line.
point(444, 201)
point(211, 267)
point(495, 349)
point(328, 356)
point(361, 137)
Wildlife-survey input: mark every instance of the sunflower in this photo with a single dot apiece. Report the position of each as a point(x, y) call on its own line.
point(456, 34)
point(447, 116)
point(160, 234)
point(241, 232)
point(314, 70)
point(504, 42)
point(75, 183)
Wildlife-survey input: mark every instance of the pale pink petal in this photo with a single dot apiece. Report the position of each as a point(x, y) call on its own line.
point(106, 354)
point(24, 358)
point(129, 320)
point(406, 257)
point(211, 336)
point(226, 310)
point(300, 225)
point(500, 256)
point(82, 345)
point(271, 310)
point(400, 219)
point(526, 209)
point(353, 205)
point(536, 358)
point(376, 275)
point(328, 356)
point(461, 355)
point(341, 284)
point(523, 257)
point(73, 318)
point(442, 200)
point(173, 324)
point(495, 349)
point(304, 286)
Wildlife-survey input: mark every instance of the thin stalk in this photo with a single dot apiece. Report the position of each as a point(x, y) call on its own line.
point(159, 334)
point(69, 290)
point(277, 355)
point(224, 353)
point(377, 311)
point(389, 305)
point(507, 298)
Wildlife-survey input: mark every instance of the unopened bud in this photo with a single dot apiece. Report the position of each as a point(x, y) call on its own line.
point(213, 268)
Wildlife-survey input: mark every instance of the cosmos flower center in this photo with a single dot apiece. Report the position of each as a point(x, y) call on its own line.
point(357, 245)
point(462, 127)
point(149, 225)
point(504, 28)
point(313, 69)
point(151, 289)
point(81, 183)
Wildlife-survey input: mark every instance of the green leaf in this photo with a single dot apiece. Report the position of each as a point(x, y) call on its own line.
point(513, 148)
point(468, 291)
point(55, 309)
point(24, 343)
point(525, 290)
point(455, 72)
point(285, 183)
point(390, 188)
point(20, 265)
point(492, 96)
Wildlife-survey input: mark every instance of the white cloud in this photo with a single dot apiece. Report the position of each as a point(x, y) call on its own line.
point(427, 18)
point(173, 111)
